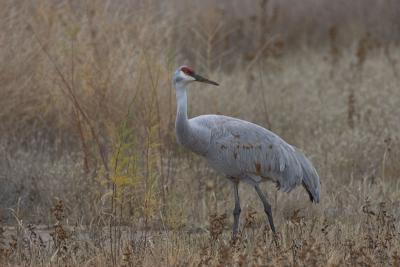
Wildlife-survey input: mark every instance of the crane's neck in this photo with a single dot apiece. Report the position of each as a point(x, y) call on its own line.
point(190, 135)
point(181, 102)
point(181, 123)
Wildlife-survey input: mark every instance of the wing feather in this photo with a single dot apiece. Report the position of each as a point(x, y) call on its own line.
point(240, 148)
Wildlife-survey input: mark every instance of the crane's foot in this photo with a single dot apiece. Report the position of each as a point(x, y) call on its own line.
point(236, 238)
point(276, 239)
point(275, 236)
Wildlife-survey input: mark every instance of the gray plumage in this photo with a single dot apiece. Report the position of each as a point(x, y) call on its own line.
point(242, 150)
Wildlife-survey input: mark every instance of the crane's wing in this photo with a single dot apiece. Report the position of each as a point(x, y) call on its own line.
point(242, 148)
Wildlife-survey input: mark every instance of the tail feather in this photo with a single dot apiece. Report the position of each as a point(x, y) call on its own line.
point(310, 178)
point(310, 195)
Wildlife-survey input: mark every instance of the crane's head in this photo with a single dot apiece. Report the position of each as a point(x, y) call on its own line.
point(186, 75)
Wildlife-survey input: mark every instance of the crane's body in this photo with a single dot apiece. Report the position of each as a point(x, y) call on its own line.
point(242, 150)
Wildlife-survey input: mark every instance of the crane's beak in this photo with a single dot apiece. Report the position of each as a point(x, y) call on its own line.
point(203, 80)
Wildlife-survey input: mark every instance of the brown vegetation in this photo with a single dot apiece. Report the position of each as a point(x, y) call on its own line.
point(90, 171)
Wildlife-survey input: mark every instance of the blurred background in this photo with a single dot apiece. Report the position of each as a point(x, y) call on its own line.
point(88, 106)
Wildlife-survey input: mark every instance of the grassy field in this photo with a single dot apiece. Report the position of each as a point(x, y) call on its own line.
point(90, 170)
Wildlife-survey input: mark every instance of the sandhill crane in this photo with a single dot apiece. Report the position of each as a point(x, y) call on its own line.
point(241, 150)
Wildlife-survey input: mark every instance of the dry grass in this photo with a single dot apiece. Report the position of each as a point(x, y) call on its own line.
point(91, 174)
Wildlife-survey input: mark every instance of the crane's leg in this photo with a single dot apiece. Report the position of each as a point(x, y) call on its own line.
point(237, 209)
point(267, 207)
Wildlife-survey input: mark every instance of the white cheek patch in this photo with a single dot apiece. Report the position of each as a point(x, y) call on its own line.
point(186, 77)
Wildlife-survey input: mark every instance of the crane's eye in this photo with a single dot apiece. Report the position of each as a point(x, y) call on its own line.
point(187, 71)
